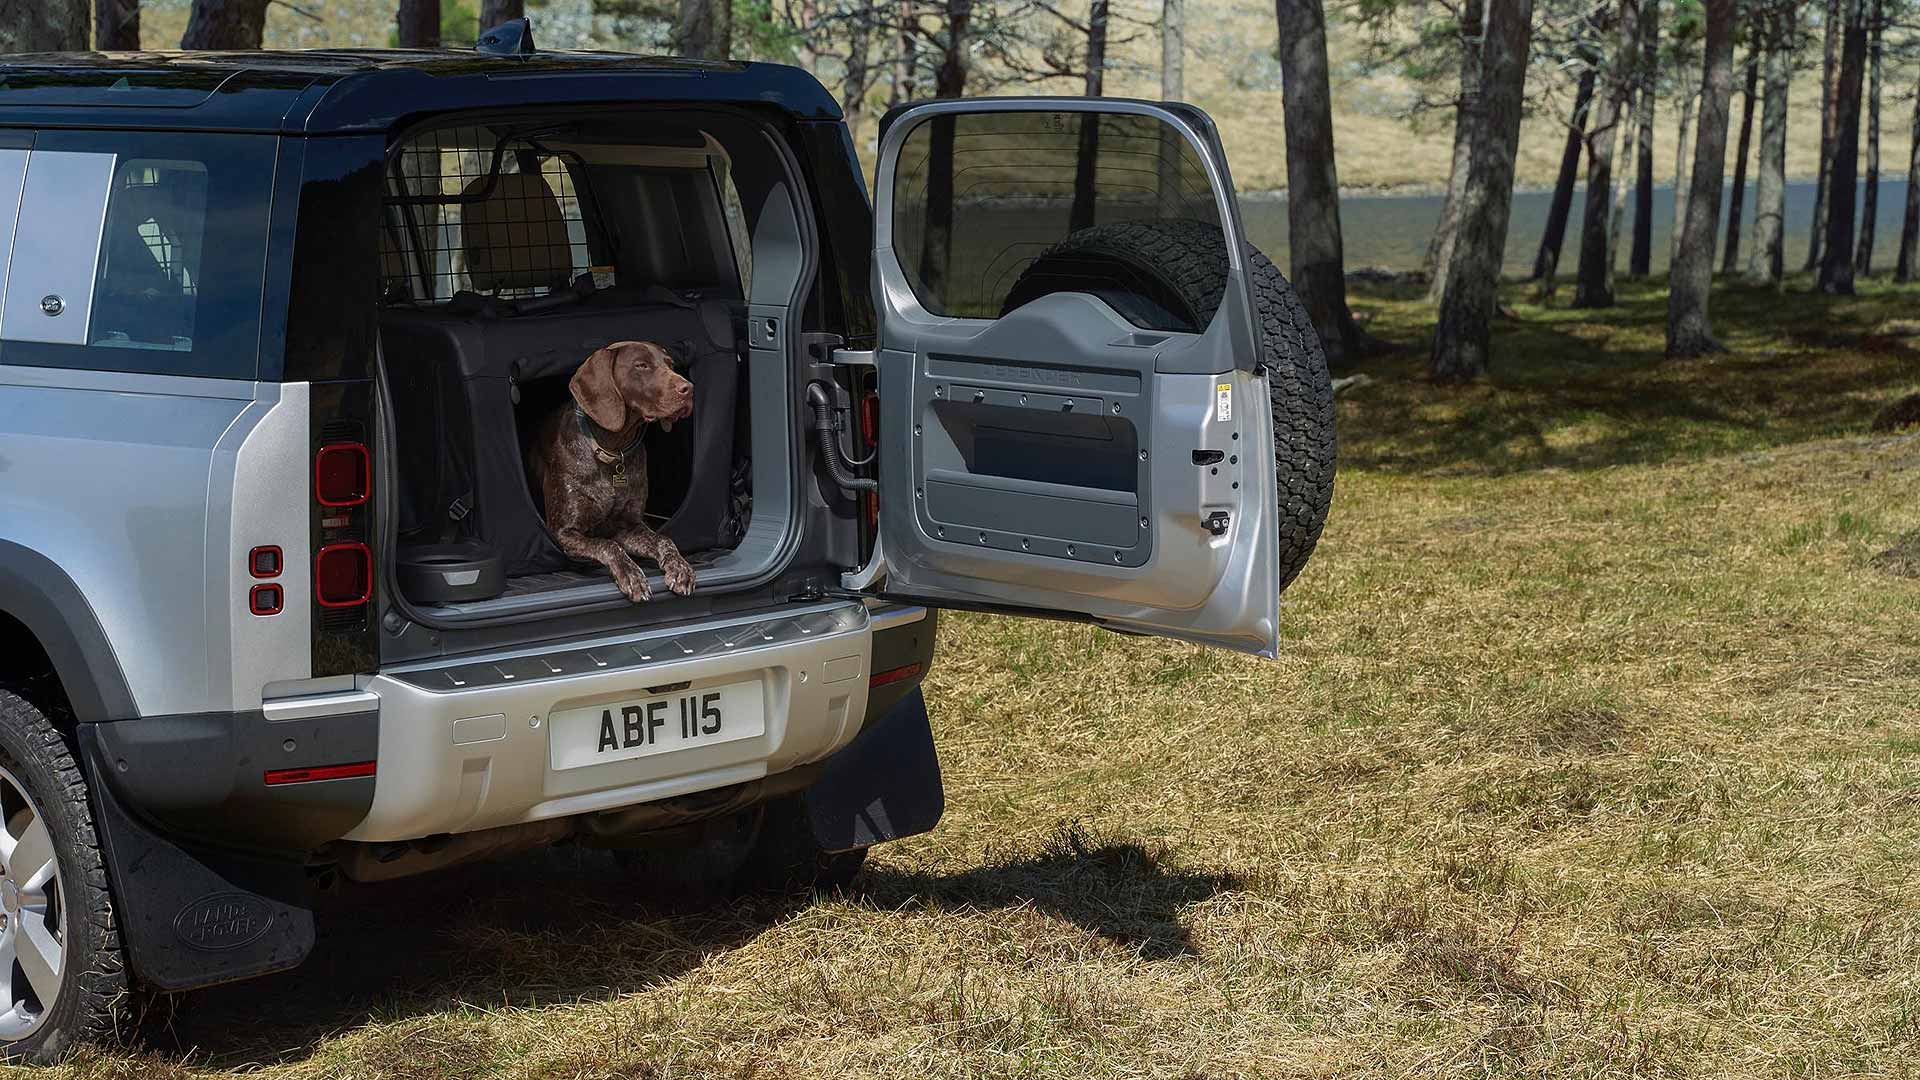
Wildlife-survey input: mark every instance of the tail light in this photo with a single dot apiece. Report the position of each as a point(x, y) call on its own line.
point(341, 527)
point(870, 433)
point(341, 474)
point(343, 575)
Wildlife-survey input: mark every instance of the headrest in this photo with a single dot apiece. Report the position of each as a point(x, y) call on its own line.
point(516, 237)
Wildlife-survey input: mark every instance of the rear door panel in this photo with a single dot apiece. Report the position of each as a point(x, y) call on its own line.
point(1057, 457)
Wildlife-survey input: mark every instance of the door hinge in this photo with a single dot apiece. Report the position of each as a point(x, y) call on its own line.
point(1216, 522)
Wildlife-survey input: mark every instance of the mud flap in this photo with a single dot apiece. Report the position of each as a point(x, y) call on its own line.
point(883, 786)
point(193, 917)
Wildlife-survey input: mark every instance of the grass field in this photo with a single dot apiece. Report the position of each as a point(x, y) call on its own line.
point(1592, 752)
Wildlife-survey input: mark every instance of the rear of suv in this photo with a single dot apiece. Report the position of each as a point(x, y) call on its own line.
point(278, 607)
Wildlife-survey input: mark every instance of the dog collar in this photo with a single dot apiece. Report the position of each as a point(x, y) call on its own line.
point(616, 457)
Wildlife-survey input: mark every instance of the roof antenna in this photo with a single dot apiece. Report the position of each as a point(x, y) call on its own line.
point(511, 38)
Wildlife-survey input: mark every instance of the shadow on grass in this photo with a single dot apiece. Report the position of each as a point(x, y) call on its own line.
point(567, 925)
point(1591, 389)
point(558, 925)
point(1118, 889)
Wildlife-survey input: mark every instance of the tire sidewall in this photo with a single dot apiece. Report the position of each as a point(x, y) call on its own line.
point(92, 974)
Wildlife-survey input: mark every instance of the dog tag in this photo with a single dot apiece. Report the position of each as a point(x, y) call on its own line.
point(620, 474)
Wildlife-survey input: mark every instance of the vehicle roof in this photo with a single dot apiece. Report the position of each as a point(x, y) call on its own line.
point(318, 92)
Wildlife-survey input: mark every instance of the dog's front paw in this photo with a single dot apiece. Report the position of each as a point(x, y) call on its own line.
point(633, 582)
point(679, 574)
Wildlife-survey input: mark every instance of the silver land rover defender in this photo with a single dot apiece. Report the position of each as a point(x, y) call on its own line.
point(277, 604)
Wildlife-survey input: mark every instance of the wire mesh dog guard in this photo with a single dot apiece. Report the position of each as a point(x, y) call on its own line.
point(471, 210)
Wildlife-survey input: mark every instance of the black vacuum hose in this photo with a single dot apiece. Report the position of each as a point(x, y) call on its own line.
point(822, 405)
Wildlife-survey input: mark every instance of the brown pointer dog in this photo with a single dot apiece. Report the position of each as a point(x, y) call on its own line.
point(589, 463)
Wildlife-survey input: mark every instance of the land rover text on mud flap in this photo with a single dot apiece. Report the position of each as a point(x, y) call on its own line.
point(278, 603)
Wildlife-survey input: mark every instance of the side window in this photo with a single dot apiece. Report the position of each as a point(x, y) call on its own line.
point(977, 196)
point(140, 252)
point(145, 296)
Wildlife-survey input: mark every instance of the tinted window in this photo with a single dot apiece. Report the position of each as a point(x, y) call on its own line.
point(150, 256)
point(978, 195)
point(175, 257)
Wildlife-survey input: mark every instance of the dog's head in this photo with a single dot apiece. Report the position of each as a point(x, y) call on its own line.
point(628, 382)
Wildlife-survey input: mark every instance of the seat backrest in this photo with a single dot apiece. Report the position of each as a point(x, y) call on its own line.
point(515, 237)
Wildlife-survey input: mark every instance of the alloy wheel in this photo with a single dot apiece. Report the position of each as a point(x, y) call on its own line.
point(33, 930)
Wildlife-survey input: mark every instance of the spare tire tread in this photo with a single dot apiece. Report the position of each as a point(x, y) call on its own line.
point(1189, 258)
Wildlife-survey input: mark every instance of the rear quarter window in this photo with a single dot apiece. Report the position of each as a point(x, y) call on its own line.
point(140, 252)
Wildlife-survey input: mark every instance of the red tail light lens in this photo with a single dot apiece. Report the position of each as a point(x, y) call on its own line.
point(870, 431)
point(275, 777)
point(343, 575)
point(265, 600)
point(340, 474)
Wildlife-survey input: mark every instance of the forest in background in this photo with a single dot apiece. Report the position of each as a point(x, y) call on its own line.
point(1594, 72)
point(1394, 133)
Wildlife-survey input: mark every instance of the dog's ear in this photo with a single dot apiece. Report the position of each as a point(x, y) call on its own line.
point(598, 392)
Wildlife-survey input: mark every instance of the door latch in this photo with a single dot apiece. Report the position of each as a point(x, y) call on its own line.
point(1216, 522)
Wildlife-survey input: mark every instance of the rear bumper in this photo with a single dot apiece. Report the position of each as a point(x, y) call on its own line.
point(465, 746)
point(462, 746)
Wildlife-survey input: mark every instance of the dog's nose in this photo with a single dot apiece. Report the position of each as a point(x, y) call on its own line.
point(685, 389)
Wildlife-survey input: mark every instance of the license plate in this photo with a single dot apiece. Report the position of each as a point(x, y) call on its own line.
point(657, 724)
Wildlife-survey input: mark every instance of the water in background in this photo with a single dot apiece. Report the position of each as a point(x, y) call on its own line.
point(1392, 231)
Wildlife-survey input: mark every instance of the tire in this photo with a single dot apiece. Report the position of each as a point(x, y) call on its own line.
point(765, 849)
point(1170, 275)
point(62, 907)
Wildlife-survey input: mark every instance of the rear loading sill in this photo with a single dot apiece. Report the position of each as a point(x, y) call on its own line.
point(469, 745)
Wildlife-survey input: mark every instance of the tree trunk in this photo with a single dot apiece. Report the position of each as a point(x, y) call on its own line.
point(1173, 64)
point(225, 24)
point(1313, 183)
point(1620, 191)
point(1870, 197)
point(1462, 340)
point(418, 22)
point(1909, 263)
point(1594, 287)
point(1689, 330)
point(1087, 163)
point(34, 26)
point(1738, 197)
point(1173, 49)
point(1640, 262)
point(1466, 112)
point(495, 12)
point(936, 254)
point(1548, 259)
point(1681, 193)
point(116, 25)
point(704, 29)
point(853, 82)
point(1836, 262)
point(1767, 265)
point(1829, 102)
point(904, 58)
point(951, 80)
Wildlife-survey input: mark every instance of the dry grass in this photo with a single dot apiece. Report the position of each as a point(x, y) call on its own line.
point(1591, 753)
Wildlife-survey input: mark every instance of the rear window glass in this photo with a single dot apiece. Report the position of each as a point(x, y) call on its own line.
point(977, 196)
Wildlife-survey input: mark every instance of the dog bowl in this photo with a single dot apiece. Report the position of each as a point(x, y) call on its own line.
point(451, 573)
